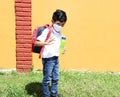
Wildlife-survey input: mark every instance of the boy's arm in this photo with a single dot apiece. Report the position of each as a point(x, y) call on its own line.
point(48, 42)
point(40, 39)
point(39, 43)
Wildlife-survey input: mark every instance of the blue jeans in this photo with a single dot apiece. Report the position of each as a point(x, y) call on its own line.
point(50, 73)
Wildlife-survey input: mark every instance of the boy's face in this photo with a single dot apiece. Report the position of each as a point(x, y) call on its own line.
point(59, 23)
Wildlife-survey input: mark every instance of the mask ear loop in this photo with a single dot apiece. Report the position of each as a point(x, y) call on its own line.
point(54, 28)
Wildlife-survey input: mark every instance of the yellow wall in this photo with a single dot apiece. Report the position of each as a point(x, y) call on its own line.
point(7, 34)
point(92, 30)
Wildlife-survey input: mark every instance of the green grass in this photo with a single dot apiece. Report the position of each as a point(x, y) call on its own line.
point(71, 84)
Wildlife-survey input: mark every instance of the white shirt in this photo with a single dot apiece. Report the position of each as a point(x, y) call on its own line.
point(52, 49)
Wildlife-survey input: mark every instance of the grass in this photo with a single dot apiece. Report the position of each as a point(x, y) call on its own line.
point(71, 84)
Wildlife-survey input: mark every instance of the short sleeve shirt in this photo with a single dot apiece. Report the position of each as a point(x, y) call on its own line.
point(52, 49)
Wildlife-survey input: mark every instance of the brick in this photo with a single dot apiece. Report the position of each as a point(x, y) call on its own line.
point(23, 14)
point(18, 18)
point(21, 70)
point(23, 5)
point(27, 70)
point(24, 58)
point(23, 1)
point(23, 41)
point(23, 28)
point(24, 66)
point(23, 23)
point(20, 32)
point(23, 54)
point(27, 50)
point(24, 62)
point(20, 9)
point(23, 37)
point(23, 45)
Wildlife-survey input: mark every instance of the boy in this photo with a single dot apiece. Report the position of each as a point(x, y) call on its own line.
point(51, 53)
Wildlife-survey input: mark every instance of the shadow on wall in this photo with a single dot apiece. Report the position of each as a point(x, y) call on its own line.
point(34, 89)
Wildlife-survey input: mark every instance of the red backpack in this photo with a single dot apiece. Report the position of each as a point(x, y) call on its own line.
point(37, 32)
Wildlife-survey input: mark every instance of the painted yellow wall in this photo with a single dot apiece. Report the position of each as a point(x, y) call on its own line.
point(92, 30)
point(7, 35)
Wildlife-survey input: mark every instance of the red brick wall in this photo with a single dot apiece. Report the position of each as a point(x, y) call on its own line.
point(23, 35)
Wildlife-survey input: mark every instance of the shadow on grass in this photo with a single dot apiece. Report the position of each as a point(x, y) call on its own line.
point(34, 89)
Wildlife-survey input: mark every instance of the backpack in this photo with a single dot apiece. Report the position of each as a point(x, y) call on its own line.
point(37, 32)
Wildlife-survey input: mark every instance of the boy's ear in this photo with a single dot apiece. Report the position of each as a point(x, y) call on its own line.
point(52, 21)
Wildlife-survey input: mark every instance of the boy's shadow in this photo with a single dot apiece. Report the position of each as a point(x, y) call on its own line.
point(34, 89)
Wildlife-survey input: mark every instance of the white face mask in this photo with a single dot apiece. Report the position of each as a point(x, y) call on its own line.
point(57, 28)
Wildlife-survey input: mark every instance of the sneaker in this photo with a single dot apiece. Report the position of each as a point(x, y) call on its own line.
point(55, 96)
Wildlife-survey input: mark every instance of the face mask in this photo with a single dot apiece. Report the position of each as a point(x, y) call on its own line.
point(57, 28)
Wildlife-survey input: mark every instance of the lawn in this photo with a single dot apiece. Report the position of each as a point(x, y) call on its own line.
point(71, 84)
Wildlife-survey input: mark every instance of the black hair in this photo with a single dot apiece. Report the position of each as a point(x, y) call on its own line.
point(59, 15)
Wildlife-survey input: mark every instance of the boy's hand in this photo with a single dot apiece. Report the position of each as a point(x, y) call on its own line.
point(50, 41)
point(64, 50)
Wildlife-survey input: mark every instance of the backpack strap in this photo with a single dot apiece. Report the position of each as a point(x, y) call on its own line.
point(48, 36)
point(34, 36)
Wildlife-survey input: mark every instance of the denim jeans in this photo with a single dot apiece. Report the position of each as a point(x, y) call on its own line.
point(50, 74)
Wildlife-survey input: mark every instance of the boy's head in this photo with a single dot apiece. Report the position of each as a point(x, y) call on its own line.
point(59, 18)
point(59, 15)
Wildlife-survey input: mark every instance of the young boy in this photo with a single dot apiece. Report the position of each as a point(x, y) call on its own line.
point(51, 53)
